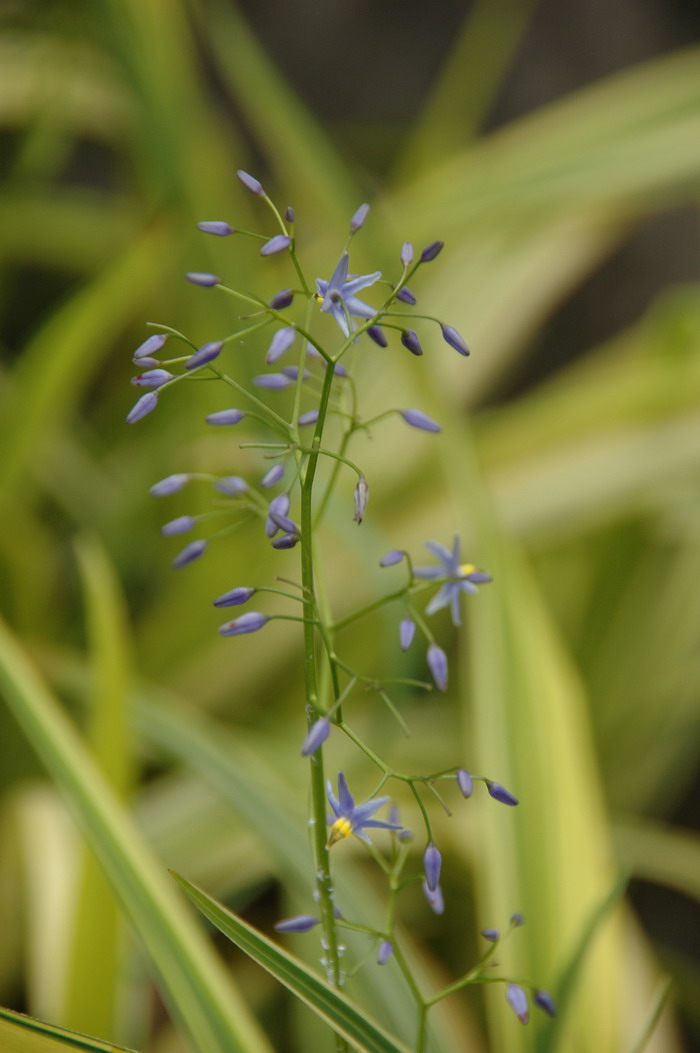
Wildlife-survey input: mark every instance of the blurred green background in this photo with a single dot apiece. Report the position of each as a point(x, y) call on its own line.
point(556, 150)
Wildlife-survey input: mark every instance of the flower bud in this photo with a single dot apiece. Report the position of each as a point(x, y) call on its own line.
point(407, 254)
point(420, 420)
point(279, 505)
point(207, 353)
point(361, 498)
point(250, 183)
point(170, 485)
point(152, 378)
point(145, 405)
point(411, 341)
point(231, 485)
point(280, 343)
point(145, 362)
point(546, 1002)
point(281, 299)
point(289, 214)
point(454, 339)
point(178, 526)
point(273, 476)
point(406, 296)
point(517, 919)
point(465, 783)
point(250, 622)
point(432, 864)
point(491, 934)
point(280, 243)
point(216, 226)
point(272, 381)
point(437, 663)
point(359, 218)
point(150, 346)
point(377, 334)
point(226, 416)
point(285, 541)
point(407, 630)
point(308, 418)
point(517, 1000)
point(234, 597)
point(300, 923)
point(384, 952)
point(499, 793)
point(431, 251)
point(189, 553)
point(395, 556)
point(203, 279)
point(318, 733)
point(434, 898)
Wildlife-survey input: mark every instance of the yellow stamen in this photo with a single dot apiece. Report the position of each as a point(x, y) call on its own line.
point(341, 828)
point(466, 568)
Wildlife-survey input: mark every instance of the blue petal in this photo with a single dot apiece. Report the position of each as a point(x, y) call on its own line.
point(454, 608)
point(333, 800)
point(339, 274)
point(361, 282)
point(367, 809)
point(441, 599)
point(347, 801)
point(455, 551)
point(443, 554)
point(380, 823)
point(429, 572)
point(338, 312)
point(358, 308)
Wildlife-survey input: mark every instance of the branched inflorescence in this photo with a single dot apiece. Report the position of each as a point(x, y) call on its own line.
point(289, 501)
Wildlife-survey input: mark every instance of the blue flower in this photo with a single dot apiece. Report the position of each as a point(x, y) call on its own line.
point(464, 577)
point(351, 818)
point(337, 296)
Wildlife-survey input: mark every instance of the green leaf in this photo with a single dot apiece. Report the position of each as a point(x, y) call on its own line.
point(25, 1034)
point(338, 1011)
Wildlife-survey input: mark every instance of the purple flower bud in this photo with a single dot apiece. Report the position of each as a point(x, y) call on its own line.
point(431, 251)
point(437, 663)
point(432, 864)
point(272, 381)
point(152, 378)
point(231, 485)
point(546, 1002)
point(407, 630)
point(499, 793)
point(280, 343)
point(145, 362)
point(203, 279)
point(226, 416)
point(282, 522)
point(407, 254)
point(289, 214)
point(285, 541)
point(207, 353)
point(361, 499)
point(189, 553)
point(281, 299)
point(377, 334)
point(406, 296)
point(491, 934)
point(340, 370)
point(465, 783)
point(145, 405)
point(395, 556)
point(517, 919)
point(318, 733)
point(420, 420)
point(293, 372)
point(250, 622)
point(359, 218)
point(454, 339)
point(250, 183)
point(434, 898)
point(178, 526)
point(234, 597)
point(216, 226)
point(300, 923)
point(280, 243)
point(170, 485)
point(308, 418)
point(517, 1000)
point(384, 952)
point(411, 341)
point(273, 476)
point(279, 505)
point(151, 346)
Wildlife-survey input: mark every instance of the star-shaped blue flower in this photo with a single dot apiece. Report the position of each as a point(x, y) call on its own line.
point(464, 577)
point(337, 296)
point(351, 818)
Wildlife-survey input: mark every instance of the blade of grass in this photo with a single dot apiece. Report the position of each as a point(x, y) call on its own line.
point(25, 1034)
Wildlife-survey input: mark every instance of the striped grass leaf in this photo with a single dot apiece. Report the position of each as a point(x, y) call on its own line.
point(25, 1034)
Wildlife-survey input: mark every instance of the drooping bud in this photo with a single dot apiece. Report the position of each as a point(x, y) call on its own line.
point(376, 333)
point(189, 553)
point(216, 226)
point(226, 416)
point(491, 934)
point(145, 405)
point(318, 733)
point(300, 923)
point(407, 630)
point(250, 622)
point(170, 485)
point(517, 1000)
point(546, 1002)
point(178, 526)
point(406, 296)
point(407, 254)
point(384, 952)
point(279, 505)
point(410, 340)
point(280, 343)
point(282, 522)
point(151, 346)
point(359, 218)
point(437, 663)
point(273, 476)
point(152, 378)
point(145, 362)
point(434, 898)
point(285, 541)
point(465, 782)
point(234, 597)
point(206, 353)
point(308, 418)
point(292, 372)
point(420, 420)
point(203, 279)
point(395, 556)
point(431, 251)
point(289, 214)
point(272, 381)
point(361, 499)
point(250, 183)
point(280, 243)
point(499, 793)
point(454, 339)
point(432, 864)
point(231, 485)
point(281, 299)
point(517, 919)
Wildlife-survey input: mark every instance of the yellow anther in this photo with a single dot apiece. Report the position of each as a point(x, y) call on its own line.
point(466, 568)
point(341, 828)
